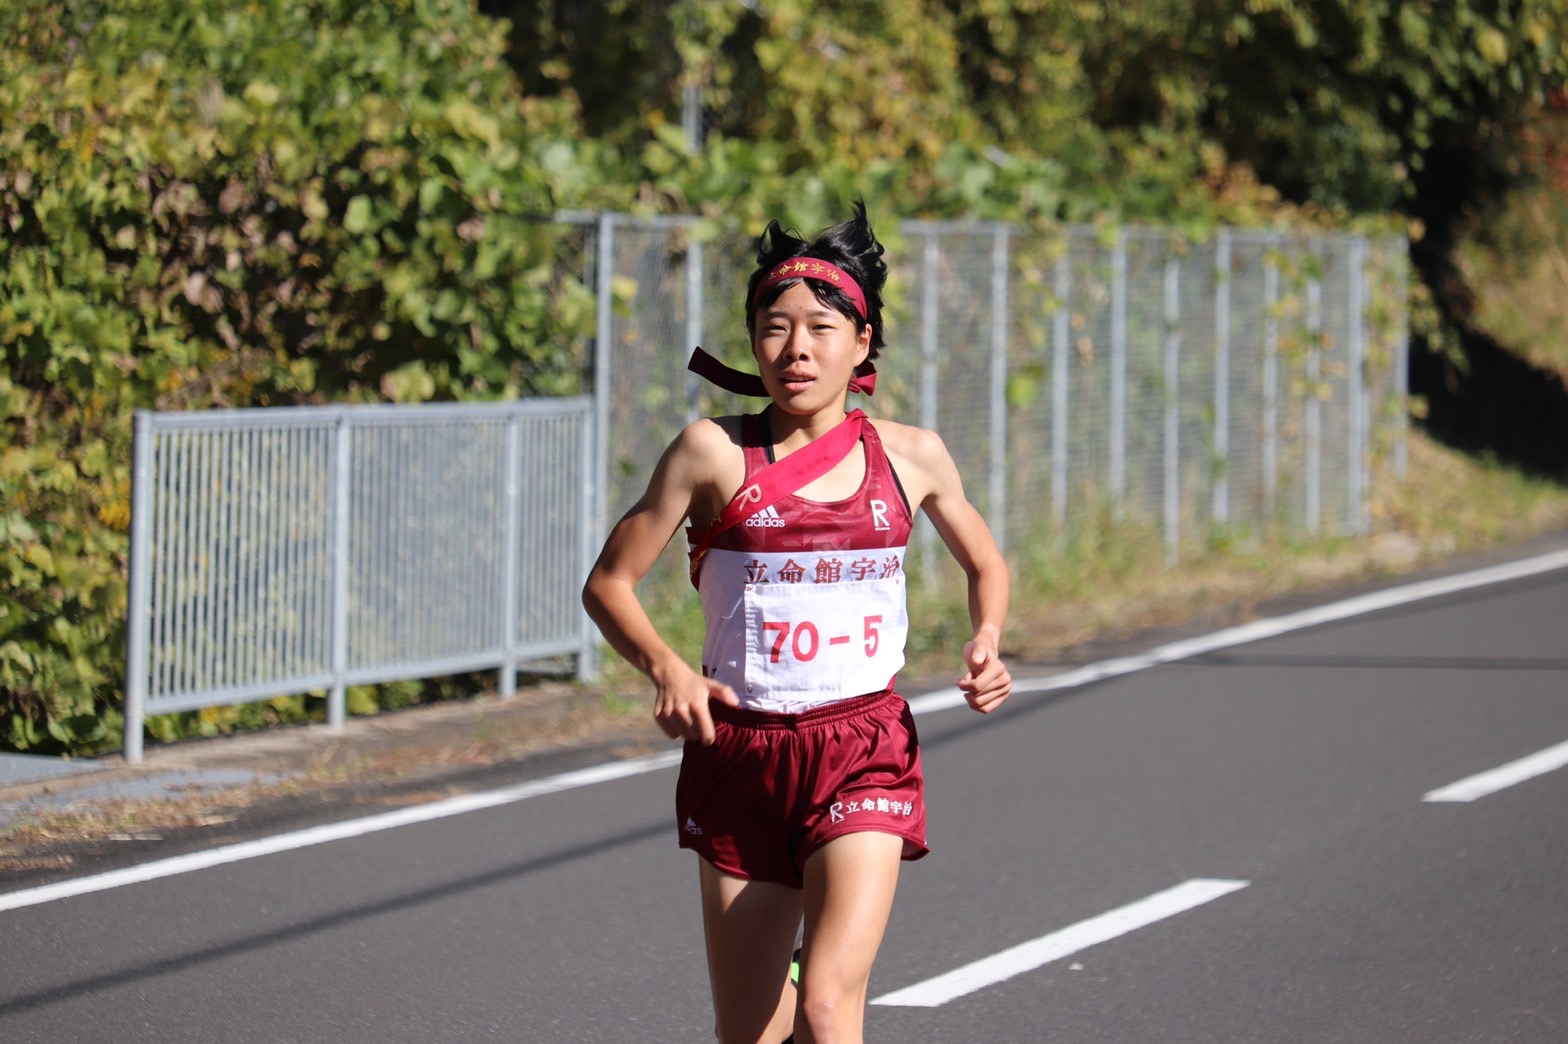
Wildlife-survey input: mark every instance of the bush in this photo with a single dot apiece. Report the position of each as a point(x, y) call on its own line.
point(207, 204)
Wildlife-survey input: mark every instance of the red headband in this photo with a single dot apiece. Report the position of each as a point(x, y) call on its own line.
point(823, 272)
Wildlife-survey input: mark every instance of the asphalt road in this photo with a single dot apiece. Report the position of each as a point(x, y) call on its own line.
point(1251, 844)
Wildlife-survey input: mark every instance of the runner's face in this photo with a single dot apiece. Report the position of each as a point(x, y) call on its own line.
point(807, 351)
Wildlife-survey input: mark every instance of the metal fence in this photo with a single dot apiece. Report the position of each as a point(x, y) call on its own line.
point(1242, 384)
point(1239, 385)
point(299, 549)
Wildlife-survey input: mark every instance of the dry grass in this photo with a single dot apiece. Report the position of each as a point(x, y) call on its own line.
point(1517, 267)
point(1532, 318)
point(58, 840)
point(1449, 504)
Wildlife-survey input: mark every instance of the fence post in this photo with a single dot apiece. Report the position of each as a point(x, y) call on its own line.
point(1314, 405)
point(1172, 353)
point(1061, 332)
point(139, 606)
point(343, 445)
point(596, 435)
point(604, 336)
point(1222, 377)
point(1270, 373)
point(1355, 494)
point(999, 337)
point(588, 547)
point(511, 535)
point(929, 327)
point(694, 307)
point(1118, 419)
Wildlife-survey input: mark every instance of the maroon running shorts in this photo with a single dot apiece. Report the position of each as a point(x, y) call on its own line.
point(774, 788)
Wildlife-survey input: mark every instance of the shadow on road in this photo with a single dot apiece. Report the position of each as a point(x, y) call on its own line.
point(442, 891)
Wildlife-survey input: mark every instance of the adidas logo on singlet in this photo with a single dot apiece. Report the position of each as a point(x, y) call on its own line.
point(767, 518)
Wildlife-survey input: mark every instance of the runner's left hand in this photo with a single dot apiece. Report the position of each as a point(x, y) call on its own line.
point(988, 682)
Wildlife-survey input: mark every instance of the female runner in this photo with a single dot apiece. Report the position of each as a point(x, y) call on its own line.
point(800, 785)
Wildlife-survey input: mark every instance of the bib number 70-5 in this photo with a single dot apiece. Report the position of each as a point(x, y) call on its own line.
point(825, 640)
point(807, 638)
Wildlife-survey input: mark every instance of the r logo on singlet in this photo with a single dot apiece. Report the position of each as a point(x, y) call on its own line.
point(879, 516)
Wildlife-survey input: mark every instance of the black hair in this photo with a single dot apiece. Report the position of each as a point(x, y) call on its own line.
point(851, 246)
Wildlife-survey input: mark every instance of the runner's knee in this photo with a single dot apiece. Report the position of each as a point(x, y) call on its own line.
point(828, 1009)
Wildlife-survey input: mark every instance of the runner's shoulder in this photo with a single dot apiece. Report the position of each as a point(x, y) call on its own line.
point(908, 440)
point(707, 452)
point(716, 437)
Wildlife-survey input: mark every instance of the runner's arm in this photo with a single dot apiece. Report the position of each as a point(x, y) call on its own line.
point(932, 481)
point(682, 479)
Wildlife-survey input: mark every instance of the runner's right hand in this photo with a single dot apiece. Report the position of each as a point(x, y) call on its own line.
point(681, 704)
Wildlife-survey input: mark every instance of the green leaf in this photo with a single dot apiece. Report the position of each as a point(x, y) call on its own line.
point(356, 219)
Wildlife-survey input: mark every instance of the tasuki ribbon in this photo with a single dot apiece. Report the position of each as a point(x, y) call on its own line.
point(778, 480)
point(864, 381)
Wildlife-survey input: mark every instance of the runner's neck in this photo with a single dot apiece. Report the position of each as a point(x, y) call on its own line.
point(789, 433)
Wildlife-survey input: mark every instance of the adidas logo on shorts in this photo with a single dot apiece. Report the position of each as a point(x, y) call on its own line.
point(767, 518)
point(692, 827)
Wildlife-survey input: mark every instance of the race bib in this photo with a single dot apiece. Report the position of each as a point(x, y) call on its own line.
point(813, 643)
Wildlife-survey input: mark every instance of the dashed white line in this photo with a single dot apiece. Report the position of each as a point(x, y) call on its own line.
point(1025, 957)
point(1490, 782)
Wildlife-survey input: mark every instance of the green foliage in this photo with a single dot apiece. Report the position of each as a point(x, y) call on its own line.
point(1199, 111)
point(204, 204)
point(302, 708)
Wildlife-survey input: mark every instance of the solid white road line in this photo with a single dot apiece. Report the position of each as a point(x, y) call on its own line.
point(338, 831)
point(929, 702)
point(1502, 777)
point(1266, 628)
point(1028, 956)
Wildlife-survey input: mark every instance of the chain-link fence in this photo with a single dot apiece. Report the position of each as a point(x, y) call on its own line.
point(1231, 386)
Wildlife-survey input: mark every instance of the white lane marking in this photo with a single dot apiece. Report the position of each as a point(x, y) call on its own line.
point(1502, 777)
point(338, 831)
point(933, 701)
point(1267, 628)
point(1025, 957)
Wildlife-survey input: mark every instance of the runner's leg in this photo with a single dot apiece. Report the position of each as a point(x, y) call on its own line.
point(750, 930)
point(849, 886)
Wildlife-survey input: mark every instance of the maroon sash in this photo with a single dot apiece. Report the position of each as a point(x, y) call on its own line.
point(776, 481)
point(864, 382)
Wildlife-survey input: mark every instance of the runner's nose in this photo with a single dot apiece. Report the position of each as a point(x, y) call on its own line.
point(798, 345)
